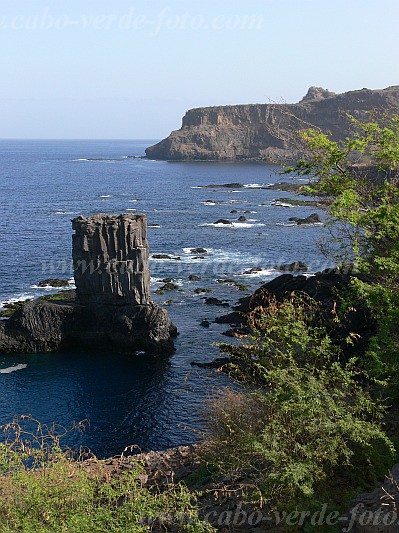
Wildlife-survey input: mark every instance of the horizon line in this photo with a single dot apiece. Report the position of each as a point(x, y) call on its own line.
point(77, 139)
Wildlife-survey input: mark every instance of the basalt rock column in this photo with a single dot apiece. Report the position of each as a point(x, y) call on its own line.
point(111, 309)
point(110, 258)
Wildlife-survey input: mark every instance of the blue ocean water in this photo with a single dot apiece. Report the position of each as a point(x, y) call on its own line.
point(152, 402)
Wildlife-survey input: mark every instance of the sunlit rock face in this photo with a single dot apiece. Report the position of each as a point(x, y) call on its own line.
point(110, 256)
point(268, 132)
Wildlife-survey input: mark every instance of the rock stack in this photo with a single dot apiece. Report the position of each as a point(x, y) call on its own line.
point(110, 259)
point(111, 309)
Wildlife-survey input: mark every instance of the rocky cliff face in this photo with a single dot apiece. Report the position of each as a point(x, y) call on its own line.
point(111, 309)
point(267, 131)
point(110, 257)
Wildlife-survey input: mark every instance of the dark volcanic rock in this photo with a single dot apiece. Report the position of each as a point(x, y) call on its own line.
point(112, 309)
point(194, 277)
point(267, 131)
point(54, 282)
point(324, 287)
point(44, 326)
point(314, 218)
point(205, 323)
point(110, 257)
point(297, 266)
point(198, 251)
point(253, 270)
point(241, 218)
point(223, 221)
point(169, 287)
point(165, 256)
point(223, 186)
point(216, 301)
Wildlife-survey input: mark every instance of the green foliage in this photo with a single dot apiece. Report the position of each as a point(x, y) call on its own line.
point(307, 416)
point(364, 223)
point(43, 488)
point(10, 308)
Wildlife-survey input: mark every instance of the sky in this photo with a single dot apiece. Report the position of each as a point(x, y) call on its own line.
point(92, 69)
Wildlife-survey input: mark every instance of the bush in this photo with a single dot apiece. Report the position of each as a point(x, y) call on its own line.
point(43, 488)
point(302, 413)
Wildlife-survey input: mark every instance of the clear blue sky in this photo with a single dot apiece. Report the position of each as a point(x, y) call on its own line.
point(128, 69)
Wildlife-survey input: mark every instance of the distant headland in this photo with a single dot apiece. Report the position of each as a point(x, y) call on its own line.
point(265, 132)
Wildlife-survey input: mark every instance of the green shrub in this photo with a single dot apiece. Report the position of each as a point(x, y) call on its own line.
point(43, 488)
point(302, 414)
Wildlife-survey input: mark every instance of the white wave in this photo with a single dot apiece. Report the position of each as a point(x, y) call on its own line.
point(133, 201)
point(210, 203)
point(290, 224)
point(259, 274)
point(131, 209)
point(98, 159)
point(287, 224)
point(253, 185)
point(71, 285)
point(63, 213)
point(281, 204)
point(105, 196)
point(16, 299)
point(197, 187)
point(188, 250)
point(12, 369)
point(232, 225)
point(246, 224)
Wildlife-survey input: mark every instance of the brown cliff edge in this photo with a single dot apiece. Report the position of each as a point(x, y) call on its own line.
point(266, 132)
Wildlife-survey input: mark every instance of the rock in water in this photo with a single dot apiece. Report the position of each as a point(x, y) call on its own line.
point(296, 266)
point(314, 218)
point(223, 221)
point(112, 309)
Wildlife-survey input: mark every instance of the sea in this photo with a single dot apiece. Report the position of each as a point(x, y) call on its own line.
point(138, 400)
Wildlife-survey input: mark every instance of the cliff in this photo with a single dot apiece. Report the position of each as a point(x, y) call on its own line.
point(111, 309)
point(267, 131)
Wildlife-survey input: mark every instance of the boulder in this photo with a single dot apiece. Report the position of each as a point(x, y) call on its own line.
point(314, 218)
point(169, 287)
point(223, 221)
point(216, 301)
point(297, 266)
point(196, 251)
point(54, 282)
point(165, 256)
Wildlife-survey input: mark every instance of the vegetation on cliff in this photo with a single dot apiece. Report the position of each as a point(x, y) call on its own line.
point(309, 426)
point(45, 488)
